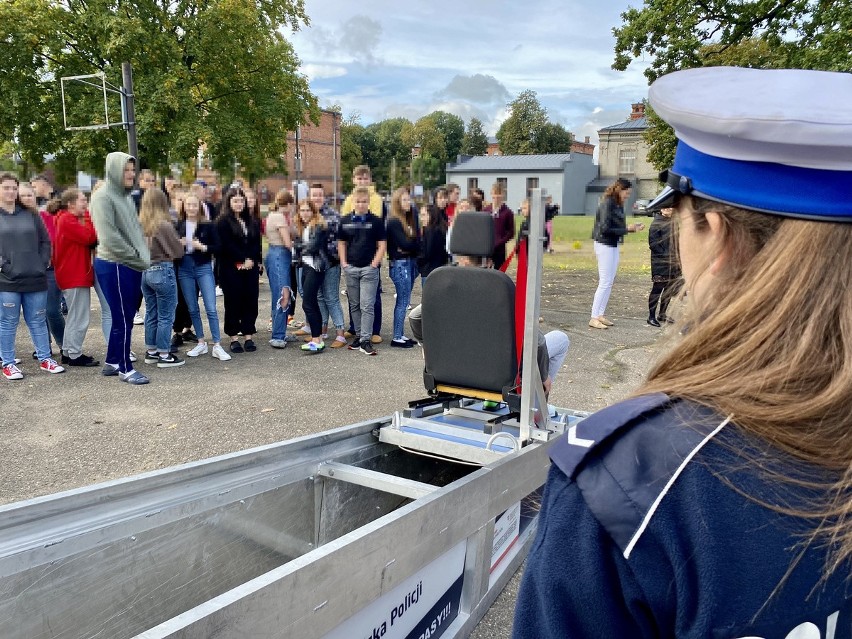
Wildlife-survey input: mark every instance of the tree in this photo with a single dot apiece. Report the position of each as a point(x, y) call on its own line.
point(553, 138)
point(661, 140)
point(452, 129)
point(216, 72)
point(517, 134)
point(386, 152)
point(681, 34)
point(351, 137)
point(475, 142)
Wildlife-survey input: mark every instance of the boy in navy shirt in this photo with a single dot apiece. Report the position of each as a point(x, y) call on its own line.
point(361, 245)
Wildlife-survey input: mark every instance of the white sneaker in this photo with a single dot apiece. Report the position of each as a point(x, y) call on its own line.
point(219, 353)
point(198, 349)
point(218, 291)
point(132, 356)
point(138, 319)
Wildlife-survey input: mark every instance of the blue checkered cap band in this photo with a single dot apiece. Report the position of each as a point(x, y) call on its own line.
point(778, 141)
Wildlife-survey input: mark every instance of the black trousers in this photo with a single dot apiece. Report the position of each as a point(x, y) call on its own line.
point(240, 290)
point(662, 292)
point(311, 282)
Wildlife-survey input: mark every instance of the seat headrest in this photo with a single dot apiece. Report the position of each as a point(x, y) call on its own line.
point(473, 235)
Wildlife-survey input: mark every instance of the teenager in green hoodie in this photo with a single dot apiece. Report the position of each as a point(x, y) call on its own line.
point(122, 255)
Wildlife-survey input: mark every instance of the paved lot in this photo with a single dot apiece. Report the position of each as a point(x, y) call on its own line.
point(69, 430)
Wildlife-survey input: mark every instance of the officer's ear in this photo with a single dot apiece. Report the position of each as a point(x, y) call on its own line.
point(718, 237)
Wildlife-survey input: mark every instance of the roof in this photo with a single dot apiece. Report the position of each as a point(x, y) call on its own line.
point(481, 163)
point(638, 124)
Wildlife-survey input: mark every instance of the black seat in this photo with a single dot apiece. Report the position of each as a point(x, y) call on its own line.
point(469, 319)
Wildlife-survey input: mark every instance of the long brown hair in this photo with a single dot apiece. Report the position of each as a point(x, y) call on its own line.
point(406, 218)
point(316, 218)
point(770, 344)
point(153, 211)
point(615, 190)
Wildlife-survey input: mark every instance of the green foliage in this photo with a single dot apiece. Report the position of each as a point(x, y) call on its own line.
point(809, 34)
point(518, 132)
point(764, 34)
point(527, 130)
point(428, 171)
point(217, 72)
point(387, 153)
point(451, 128)
point(553, 138)
point(475, 142)
point(661, 140)
point(351, 136)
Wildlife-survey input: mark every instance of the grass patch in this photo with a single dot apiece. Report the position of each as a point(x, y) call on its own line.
point(575, 251)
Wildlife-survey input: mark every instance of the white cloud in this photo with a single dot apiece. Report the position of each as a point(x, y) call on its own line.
point(319, 71)
point(471, 60)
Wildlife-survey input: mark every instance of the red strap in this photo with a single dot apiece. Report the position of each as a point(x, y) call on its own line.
point(520, 300)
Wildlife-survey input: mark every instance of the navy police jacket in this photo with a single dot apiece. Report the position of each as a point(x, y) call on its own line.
point(655, 523)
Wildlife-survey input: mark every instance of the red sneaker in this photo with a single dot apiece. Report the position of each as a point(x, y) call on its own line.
point(50, 366)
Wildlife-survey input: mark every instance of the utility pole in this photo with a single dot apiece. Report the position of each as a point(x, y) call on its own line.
point(334, 157)
point(129, 110)
point(298, 165)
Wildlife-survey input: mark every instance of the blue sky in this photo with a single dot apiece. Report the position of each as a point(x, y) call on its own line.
point(469, 57)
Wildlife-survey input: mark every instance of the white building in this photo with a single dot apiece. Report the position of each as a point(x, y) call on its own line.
point(563, 175)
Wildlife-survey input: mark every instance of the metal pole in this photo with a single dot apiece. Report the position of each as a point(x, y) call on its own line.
point(334, 157)
point(532, 394)
point(298, 165)
point(129, 109)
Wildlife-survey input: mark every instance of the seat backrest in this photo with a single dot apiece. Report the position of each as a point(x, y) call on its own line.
point(472, 234)
point(469, 316)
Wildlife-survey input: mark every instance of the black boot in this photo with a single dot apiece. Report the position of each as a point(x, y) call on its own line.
point(653, 321)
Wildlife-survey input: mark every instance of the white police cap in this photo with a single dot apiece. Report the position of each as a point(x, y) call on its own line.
point(777, 141)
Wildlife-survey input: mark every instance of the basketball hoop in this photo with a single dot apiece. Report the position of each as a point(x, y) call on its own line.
point(101, 85)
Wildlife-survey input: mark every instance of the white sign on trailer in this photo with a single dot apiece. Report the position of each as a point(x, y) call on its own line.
point(421, 607)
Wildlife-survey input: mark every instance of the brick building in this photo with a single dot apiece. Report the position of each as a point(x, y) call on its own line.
point(319, 147)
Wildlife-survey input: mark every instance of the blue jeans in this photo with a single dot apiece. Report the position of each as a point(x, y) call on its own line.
point(189, 274)
point(106, 315)
point(400, 274)
point(35, 315)
point(159, 286)
point(121, 287)
point(329, 298)
point(415, 272)
point(55, 321)
point(278, 261)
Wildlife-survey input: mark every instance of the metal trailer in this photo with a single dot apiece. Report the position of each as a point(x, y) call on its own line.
point(408, 526)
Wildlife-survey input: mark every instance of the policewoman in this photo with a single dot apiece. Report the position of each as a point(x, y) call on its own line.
point(717, 502)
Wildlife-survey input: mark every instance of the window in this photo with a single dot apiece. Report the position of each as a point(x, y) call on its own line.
point(472, 183)
point(532, 183)
point(627, 161)
point(504, 185)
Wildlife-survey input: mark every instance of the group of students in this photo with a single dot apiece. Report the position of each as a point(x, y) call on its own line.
point(167, 246)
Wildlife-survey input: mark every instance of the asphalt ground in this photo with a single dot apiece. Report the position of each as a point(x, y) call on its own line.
point(78, 428)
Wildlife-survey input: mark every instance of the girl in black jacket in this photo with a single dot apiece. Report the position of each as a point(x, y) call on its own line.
point(239, 268)
point(403, 246)
point(195, 272)
point(433, 243)
point(311, 235)
point(609, 231)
